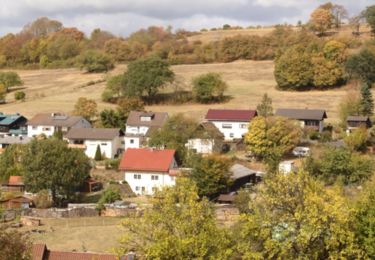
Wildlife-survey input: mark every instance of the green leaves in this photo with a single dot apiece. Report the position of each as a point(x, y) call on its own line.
point(208, 87)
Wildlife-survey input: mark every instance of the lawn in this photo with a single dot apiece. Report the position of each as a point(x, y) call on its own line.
point(58, 90)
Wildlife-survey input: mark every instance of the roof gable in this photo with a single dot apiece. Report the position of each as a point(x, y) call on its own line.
point(93, 133)
point(55, 119)
point(147, 159)
point(137, 118)
point(230, 115)
point(10, 119)
point(302, 114)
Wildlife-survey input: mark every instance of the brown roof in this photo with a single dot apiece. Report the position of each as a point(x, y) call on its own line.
point(94, 133)
point(15, 180)
point(19, 199)
point(54, 119)
point(302, 114)
point(230, 115)
point(40, 252)
point(147, 159)
point(157, 118)
point(208, 130)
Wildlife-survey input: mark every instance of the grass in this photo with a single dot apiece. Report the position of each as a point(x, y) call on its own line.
point(58, 90)
point(96, 234)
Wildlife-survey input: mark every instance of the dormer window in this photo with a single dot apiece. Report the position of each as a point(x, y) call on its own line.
point(147, 117)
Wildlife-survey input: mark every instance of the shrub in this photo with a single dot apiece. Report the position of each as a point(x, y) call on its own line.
point(20, 95)
point(98, 154)
point(42, 200)
point(112, 164)
point(208, 87)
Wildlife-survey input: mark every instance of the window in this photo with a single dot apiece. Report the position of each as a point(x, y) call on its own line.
point(137, 188)
point(231, 135)
point(104, 144)
point(243, 126)
point(154, 177)
point(143, 189)
point(132, 141)
point(172, 178)
point(34, 127)
point(137, 176)
point(46, 129)
point(227, 126)
point(312, 123)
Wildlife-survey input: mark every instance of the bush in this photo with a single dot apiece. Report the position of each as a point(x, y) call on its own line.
point(314, 135)
point(112, 164)
point(208, 87)
point(19, 95)
point(95, 61)
point(326, 136)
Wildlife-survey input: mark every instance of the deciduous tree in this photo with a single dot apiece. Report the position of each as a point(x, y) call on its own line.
point(370, 17)
point(86, 108)
point(95, 61)
point(209, 87)
point(189, 232)
point(10, 79)
point(321, 20)
point(14, 245)
point(362, 66)
point(265, 108)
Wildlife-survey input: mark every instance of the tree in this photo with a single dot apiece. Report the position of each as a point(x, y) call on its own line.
point(98, 153)
point(174, 134)
point(365, 219)
point(14, 245)
point(211, 175)
point(95, 61)
point(99, 37)
point(339, 13)
point(108, 196)
point(367, 102)
point(109, 118)
point(146, 75)
point(350, 105)
point(208, 87)
point(3, 92)
point(265, 108)
point(42, 27)
point(10, 79)
point(355, 23)
point(114, 87)
point(295, 217)
point(50, 164)
point(341, 165)
point(370, 17)
point(270, 138)
point(189, 232)
point(86, 108)
point(362, 66)
point(10, 162)
point(321, 20)
point(127, 104)
point(294, 69)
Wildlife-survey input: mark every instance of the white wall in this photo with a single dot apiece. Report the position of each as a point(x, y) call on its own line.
point(107, 147)
point(237, 130)
point(132, 142)
point(38, 130)
point(204, 146)
point(137, 130)
point(145, 184)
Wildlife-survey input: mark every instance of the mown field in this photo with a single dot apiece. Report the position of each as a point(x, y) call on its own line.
point(58, 90)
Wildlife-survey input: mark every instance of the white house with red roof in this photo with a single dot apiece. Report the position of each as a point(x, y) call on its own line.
point(146, 169)
point(233, 124)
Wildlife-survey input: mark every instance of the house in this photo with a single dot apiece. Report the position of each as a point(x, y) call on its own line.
point(49, 124)
point(109, 140)
point(15, 183)
point(147, 169)
point(7, 140)
point(309, 118)
point(13, 124)
point(355, 122)
point(41, 252)
point(140, 125)
point(233, 124)
point(19, 202)
point(206, 139)
point(287, 167)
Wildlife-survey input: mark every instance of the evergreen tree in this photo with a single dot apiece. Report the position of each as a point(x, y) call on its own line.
point(367, 102)
point(98, 154)
point(265, 107)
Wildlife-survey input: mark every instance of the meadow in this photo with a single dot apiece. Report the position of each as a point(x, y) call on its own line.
point(58, 90)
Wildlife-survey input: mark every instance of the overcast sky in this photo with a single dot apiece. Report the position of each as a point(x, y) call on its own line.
point(125, 16)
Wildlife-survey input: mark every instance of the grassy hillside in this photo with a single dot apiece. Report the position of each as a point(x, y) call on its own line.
point(58, 90)
point(218, 35)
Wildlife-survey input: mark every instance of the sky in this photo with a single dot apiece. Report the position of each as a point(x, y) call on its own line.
point(123, 17)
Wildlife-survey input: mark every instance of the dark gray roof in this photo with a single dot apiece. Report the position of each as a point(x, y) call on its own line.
point(54, 119)
point(302, 114)
point(93, 133)
point(157, 118)
point(358, 118)
point(15, 139)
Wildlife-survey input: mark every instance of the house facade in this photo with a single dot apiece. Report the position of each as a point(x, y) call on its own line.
point(308, 118)
point(49, 124)
point(140, 125)
point(146, 169)
point(207, 139)
point(14, 125)
point(109, 140)
point(233, 124)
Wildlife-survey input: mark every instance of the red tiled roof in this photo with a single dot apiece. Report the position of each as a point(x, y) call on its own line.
point(40, 252)
point(230, 115)
point(37, 251)
point(147, 160)
point(15, 180)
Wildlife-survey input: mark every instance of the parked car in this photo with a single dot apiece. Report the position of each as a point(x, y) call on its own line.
point(301, 151)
